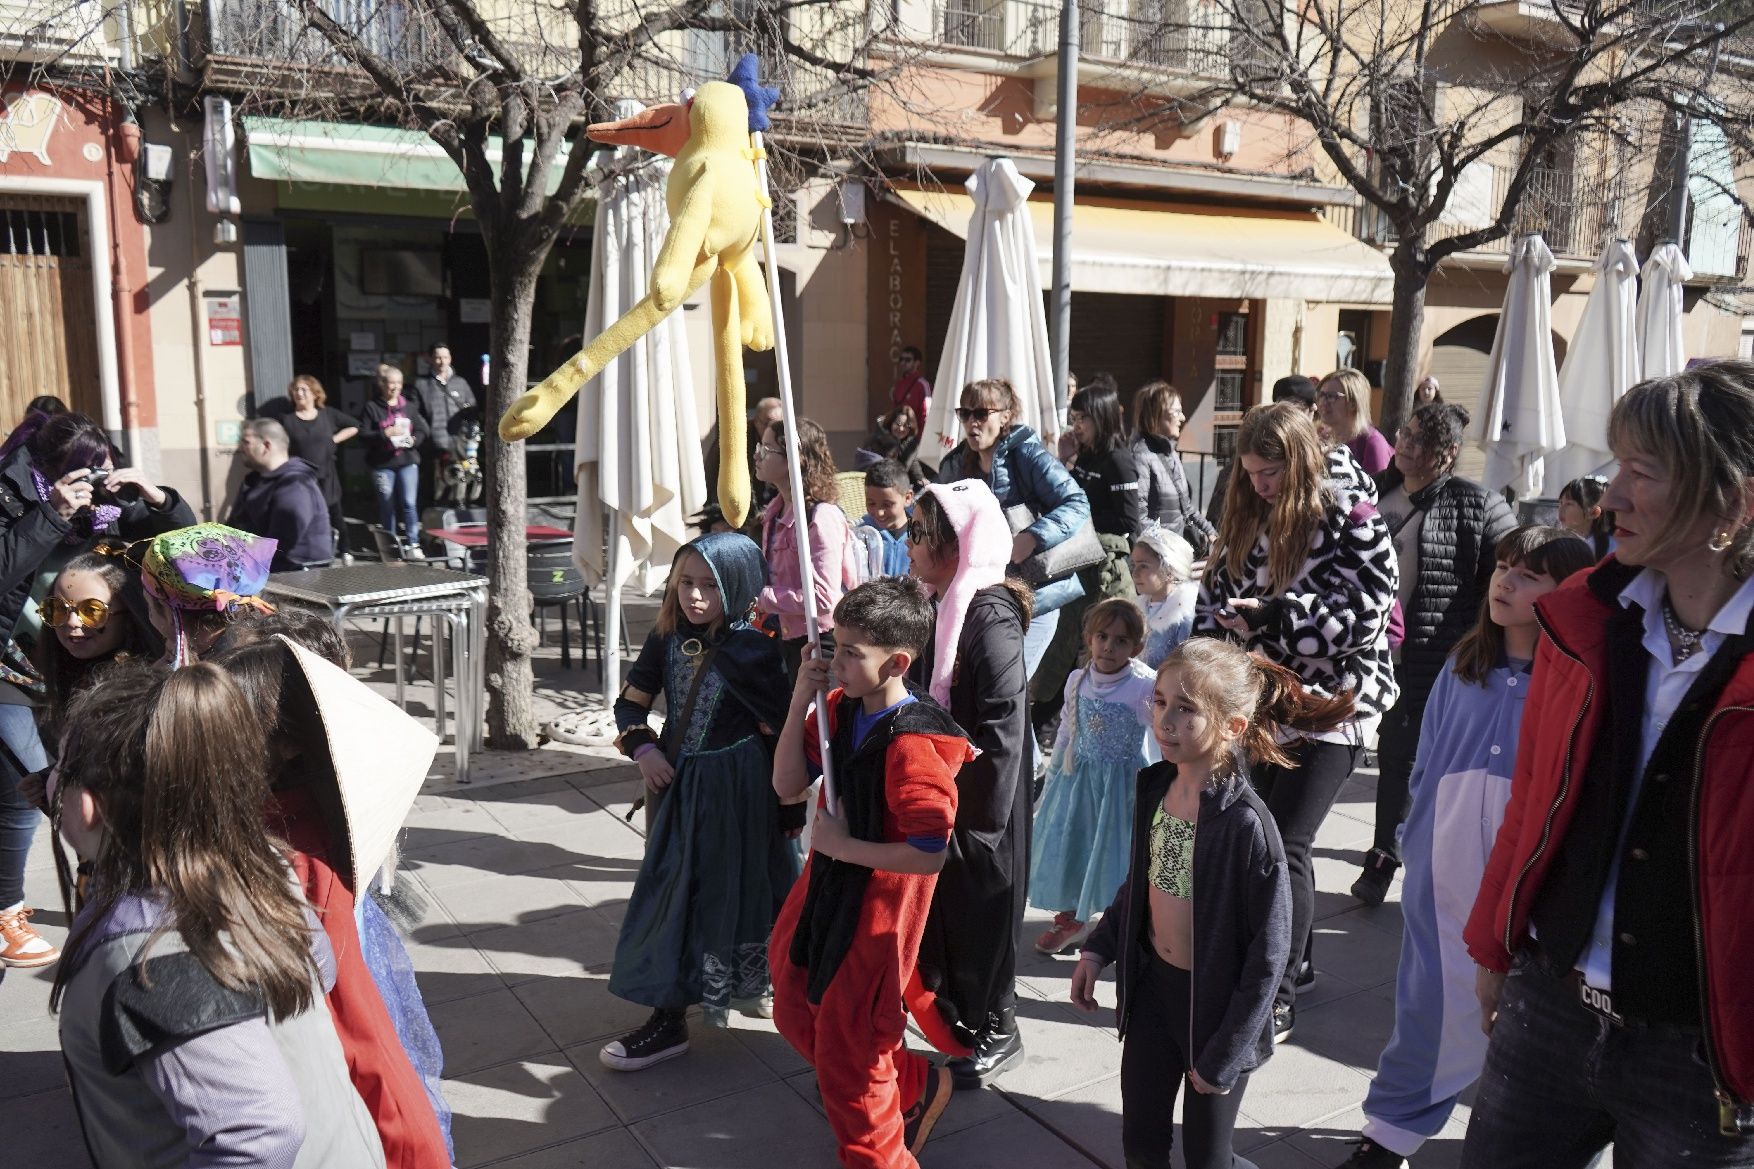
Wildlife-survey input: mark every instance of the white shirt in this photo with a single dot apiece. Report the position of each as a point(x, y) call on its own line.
point(1665, 684)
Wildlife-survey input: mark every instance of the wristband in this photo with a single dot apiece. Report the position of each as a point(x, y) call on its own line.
point(791, 816)
point(639, 752)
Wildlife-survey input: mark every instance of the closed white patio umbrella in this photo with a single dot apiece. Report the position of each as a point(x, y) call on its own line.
point(998, 327)
point(1520, 421)
point(639, 456)
point(1601, 364)
point(1659, 312)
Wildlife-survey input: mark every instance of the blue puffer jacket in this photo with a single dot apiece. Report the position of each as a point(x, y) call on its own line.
point(1025, 471)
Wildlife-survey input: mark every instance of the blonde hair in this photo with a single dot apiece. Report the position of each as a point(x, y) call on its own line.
point(1699, 425)
point(1223, 681)
point(1281, 432)
point(384, 372)
point(1357, 388)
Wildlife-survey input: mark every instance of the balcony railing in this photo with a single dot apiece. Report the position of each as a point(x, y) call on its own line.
point(273, 31)
point(1575, 212)
point(810, 96)
point(1186, 36)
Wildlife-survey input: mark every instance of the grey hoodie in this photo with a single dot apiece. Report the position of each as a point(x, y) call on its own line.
point(176, 1070)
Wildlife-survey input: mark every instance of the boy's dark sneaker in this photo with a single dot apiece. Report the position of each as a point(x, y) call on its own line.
point(1372, 885)
point(917, 1122)
point(1284, 1019)
point(663, 1036)
point(1370, 1155)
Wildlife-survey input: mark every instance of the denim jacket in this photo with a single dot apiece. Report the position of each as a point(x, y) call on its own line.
point(1025, 471)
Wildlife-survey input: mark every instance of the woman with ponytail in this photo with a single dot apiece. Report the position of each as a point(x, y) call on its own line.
point(193, 1022)
point(1208, 877)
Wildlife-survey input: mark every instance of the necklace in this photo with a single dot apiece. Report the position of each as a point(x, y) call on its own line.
point(1682, 640)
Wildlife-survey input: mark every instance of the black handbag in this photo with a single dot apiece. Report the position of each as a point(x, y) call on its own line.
point(1072, 555)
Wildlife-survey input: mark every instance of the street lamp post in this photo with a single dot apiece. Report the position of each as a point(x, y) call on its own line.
point(1065, 142)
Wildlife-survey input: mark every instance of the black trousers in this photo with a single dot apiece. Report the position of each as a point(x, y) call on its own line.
point(1397, 744)
point(1300, 798)
point(1154, 1067)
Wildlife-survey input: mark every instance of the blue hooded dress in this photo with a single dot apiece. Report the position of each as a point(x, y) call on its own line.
point(717, 867)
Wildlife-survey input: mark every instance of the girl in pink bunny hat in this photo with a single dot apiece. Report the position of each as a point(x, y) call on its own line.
point(959, 544)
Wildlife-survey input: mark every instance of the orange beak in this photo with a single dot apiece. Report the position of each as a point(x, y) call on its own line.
point(662, 129)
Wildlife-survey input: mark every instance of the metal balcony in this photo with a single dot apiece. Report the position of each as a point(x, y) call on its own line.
point(272, 31)
point(1181, 36)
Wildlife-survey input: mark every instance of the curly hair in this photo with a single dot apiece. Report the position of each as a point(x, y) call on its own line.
point(817, 465)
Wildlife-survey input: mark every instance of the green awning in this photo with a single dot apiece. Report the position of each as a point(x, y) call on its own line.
point(341, 154)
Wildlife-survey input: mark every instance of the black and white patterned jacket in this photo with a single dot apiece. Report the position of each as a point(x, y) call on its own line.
point(1331, 625)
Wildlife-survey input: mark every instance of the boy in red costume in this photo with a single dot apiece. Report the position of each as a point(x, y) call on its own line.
point(844, 948)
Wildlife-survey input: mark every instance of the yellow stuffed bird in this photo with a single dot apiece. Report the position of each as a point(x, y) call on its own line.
point(716, 203)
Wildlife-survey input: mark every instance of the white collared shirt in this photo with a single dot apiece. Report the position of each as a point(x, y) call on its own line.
point(1666, 683)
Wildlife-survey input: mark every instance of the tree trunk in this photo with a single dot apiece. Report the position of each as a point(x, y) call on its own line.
point(513, 265)
point(1406, 324)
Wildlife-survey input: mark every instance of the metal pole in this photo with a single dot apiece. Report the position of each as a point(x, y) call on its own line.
point(1065, 143)
point(794, 467)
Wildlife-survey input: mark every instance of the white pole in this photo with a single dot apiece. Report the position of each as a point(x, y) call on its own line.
point(611, 619)
point(800, 520)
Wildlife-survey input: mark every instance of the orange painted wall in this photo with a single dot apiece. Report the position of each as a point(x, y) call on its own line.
point(84, 146)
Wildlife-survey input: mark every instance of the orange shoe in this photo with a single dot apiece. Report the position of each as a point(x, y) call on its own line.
point(20, 945)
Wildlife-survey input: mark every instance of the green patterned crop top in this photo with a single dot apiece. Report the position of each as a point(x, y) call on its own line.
point(1172, 855)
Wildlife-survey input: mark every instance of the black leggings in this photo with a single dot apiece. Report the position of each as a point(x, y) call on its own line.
point(1300, 799)
point(1153, 1068)
point(1397, 743)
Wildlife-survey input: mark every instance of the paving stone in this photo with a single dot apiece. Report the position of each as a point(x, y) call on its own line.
point(522, 1106)
point(487, 1029)
point(566, 944)
point(495, 902)
point(1011, 1139)
point(716, 1067)
point(614, 1149)
point(758, 1128)
point(579, 1009)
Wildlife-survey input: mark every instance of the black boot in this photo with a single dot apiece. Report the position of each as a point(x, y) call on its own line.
point(997, 1047)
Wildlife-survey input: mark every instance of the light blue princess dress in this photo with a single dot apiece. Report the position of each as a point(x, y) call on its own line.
point(1084, 828)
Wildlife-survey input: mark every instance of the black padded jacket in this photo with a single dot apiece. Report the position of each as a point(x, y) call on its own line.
point(1463, 524)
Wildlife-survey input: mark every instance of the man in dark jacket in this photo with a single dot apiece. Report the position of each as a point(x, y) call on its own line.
point(1446, 532)
point(281, 498)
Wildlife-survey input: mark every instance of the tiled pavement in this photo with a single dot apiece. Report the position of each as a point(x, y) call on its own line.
point(526, 879)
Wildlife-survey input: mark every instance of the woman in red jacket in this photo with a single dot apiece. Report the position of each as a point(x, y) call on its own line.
point(1611, 925)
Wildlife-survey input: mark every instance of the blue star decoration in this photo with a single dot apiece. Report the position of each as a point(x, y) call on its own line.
point(747, 77)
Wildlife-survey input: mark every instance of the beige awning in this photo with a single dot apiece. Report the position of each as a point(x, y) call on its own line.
point(1237, 252)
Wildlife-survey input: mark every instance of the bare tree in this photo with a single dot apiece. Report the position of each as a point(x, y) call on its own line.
point(505, 90)
point(1460, 122)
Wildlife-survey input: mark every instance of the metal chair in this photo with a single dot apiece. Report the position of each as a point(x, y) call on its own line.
point(555, 582)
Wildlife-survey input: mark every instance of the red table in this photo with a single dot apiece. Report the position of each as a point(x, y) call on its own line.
point(475, 535)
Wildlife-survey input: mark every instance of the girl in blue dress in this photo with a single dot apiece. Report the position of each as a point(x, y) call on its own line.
point(1084, 826)
point(719, 860)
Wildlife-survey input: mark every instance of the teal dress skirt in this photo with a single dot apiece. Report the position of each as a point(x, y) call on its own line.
point(1084, 826)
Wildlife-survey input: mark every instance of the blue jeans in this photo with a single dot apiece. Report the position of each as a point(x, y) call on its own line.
point(396, 487)
point(18, 819)
point(1561, 1082)
point(1035, 641)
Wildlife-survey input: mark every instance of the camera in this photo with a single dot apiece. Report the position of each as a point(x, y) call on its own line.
point(95, 477)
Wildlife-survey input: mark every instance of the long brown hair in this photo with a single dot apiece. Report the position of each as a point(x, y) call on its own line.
point(1224, 681)
point(1281, 432)
point(816, 466)
point(930, 527)
point(176, 763)
point(1554, 552)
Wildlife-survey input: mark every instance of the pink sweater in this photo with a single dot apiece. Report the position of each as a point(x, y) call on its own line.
point(784, 593)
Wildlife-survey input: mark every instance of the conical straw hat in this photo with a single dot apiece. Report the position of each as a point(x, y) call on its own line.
point(380, 755)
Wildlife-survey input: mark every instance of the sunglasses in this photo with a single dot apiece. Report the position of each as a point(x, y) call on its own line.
point(1331, 395)
point(975, 414)
point(916, 532)
point(762, 450)
point(92, 612)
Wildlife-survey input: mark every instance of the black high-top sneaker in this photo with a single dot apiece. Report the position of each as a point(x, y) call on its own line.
point(663, 1036)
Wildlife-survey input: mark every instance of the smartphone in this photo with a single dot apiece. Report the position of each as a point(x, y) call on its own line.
point(1227, 611)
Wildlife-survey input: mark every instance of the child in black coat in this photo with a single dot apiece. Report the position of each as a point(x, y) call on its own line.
point(1226, 902)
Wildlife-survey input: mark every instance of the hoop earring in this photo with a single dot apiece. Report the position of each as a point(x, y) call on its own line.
point(1721, 541)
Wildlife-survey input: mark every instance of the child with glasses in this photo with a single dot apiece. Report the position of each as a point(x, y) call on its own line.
point(91, 609)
